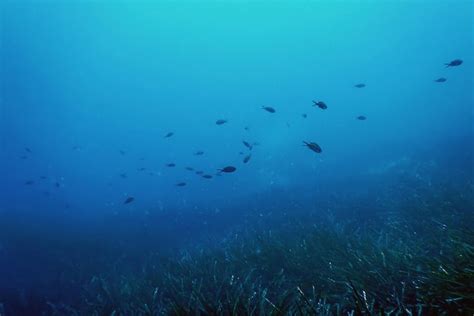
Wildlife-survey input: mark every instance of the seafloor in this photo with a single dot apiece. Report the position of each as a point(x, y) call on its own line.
point(404, 248)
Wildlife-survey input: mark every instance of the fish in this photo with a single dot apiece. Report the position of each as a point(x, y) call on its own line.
point(28, 150)
point(320, 104)
point(180, 184)
point(199, 172)
point(199, 153)
point(454, 63)
point(189, 168)
point(171, 165)
point(269, 109)
point(168, 135)
point(441, 80)
point(247, 128)
point(313, 146)
point(207, 176)
point(23, 157)
point(247, 144)
point(123, 175)
point(359, 85)
point(57, 185)
point(141, 169)
point(43, 177)
point(122, 152)
point(129, 200)
point(228, 169)
point(29, 182)
point(221, 121)
point(304, 115)
point(361, 118)
point(247, 158)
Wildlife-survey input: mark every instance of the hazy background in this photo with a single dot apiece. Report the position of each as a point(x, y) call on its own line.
point(82, 80)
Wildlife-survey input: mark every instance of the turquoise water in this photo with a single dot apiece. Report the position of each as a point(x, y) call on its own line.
point(89, 90)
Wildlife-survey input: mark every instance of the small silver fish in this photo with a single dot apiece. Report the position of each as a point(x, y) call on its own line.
point(247, 144)
point(269, 109)
point(313, 146)
point(320, 104)
point(129, 200)
point(454, 63)
point(228, 169)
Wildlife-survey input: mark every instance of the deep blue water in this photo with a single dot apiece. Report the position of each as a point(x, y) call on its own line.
point(90, 89)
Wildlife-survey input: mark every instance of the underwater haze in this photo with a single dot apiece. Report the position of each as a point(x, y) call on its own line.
point(236, 157)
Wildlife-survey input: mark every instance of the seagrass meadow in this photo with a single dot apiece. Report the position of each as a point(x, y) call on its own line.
point(236, 158)
point(410, 252)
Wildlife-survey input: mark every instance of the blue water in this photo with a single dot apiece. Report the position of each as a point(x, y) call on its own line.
point(83, 81)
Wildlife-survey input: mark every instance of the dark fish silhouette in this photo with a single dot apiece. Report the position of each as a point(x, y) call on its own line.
point(361, 118)
point(454, 63)
point(304, 115)
point(313, 146)
point(129, 200)
point(246, 128)
point(221, 121)
point(441, 80)
point(141, 169)
point(171, 165)
point(123, 175)
point(189, 168)
point(359, 85)
point(199, 153)
point(23, 157)
point(180, 184)
point(169, 135)
point(199, 172)
point(57, 185)
point(320, 104)
point(28, 150)
point(43, 177)
point(269, 109)
point(122, 152)
point(29, 182)
point(247, 158)
point(207, 176)
point(247, 144)
point(228, 169)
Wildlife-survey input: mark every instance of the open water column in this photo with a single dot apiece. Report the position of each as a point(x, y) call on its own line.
point(234, 157)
